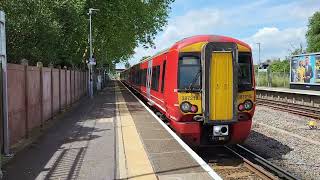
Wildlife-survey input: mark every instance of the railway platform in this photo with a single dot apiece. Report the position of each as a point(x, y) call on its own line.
point(112, 136)
point(289, 91)
point(301, 102)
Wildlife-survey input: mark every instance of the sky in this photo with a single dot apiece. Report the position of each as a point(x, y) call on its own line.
point(278, 25)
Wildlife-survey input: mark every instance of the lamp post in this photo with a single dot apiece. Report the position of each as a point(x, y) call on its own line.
point(91, 61)
point(258, 63)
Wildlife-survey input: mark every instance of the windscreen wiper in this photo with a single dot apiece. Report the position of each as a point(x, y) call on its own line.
point(194, 80)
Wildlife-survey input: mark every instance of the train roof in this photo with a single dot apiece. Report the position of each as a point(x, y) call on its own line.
point(207, 38)
point(195, 39)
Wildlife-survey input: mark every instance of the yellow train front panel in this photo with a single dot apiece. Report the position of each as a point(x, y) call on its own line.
point(221, 86)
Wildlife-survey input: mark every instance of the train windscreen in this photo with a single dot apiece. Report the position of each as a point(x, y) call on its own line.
point(245, 72)
point(189, 72)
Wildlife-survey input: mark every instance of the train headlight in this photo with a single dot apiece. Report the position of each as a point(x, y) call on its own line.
point(221, 130)
point(241, 107)
point(194, 109)
point(185, 107)
point(248, 104)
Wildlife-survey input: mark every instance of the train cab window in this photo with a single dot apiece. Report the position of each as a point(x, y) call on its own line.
point(189, 72)
point(155, 78)
point(245, 72)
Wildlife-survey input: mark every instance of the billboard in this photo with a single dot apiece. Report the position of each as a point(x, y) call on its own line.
point(305, 69)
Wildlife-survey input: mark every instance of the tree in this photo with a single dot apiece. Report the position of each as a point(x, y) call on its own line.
point(120, 26)
point(280, 66)
point(313, 33)
point(296, 50)
point(144, 57)
point(127, 65)
point(44, 30)
point(56, 31)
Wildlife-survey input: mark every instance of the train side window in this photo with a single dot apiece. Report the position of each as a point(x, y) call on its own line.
point(155, 78)
point(143, 77)
point(138, 76)
point(163, 75)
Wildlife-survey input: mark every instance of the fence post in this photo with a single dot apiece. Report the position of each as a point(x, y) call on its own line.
point(51, 77)
point(80, 85)
point(87, 85)
point(40, 65)
point(24, 62)
point(84, 83)
point(70, 77)
point(59, 88)
point(65, 88)
point(74, 86)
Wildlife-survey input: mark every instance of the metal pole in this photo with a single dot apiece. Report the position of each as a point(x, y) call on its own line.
point(90, 65)
point(258, 65)
point(259, 51)
point(3, 58)
point(90, 56)
point(90, 35)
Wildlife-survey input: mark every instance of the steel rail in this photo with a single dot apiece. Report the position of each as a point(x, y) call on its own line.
point(298, 109)
point(262, 166)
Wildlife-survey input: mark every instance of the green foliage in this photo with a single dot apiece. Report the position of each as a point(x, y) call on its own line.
point(313, 33)
point(296, 51)
point(280, 66)
point(45, 30)
point(127, 65)
point(56, 31)
point(144, 57)
point(277, 79)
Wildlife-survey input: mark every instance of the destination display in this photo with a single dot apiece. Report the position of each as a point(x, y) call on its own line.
point(305, 69)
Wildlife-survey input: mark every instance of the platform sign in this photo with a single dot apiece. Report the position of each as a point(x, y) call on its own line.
point(92, 61)
point(305, 69)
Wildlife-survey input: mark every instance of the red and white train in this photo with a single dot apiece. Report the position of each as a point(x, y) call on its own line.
point(204, 85)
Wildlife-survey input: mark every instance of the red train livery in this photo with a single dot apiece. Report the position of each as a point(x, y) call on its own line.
point(204, 85)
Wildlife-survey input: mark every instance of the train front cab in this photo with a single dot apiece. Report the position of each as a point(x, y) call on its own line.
point(215, 93)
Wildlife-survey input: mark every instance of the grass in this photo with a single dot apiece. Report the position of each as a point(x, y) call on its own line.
point(275, 79)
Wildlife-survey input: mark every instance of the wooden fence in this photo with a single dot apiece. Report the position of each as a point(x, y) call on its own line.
point(36, 95)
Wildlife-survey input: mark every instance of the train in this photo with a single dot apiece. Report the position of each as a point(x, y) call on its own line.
point(203, 85)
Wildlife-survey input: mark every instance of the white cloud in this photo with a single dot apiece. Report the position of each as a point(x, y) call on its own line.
point(276, 43)
point(277, 26)
point(295, 11)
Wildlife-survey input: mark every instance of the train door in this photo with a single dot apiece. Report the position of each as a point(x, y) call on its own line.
point(219, 82)
point(149, 74)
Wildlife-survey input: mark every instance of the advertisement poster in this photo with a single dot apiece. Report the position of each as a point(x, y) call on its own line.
point(305, 69)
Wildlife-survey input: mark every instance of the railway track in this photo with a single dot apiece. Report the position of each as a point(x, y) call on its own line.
point(237, 162)
point(298, 109)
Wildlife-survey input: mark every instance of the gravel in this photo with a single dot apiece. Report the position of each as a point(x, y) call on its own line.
point(286, 140)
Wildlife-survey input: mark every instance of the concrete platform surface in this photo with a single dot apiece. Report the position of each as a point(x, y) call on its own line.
point(287, 90)
point(111, 136)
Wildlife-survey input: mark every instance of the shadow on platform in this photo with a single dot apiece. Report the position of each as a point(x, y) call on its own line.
point(59, 153)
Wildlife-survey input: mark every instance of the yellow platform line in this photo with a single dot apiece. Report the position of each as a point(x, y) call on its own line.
point(133, 162)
